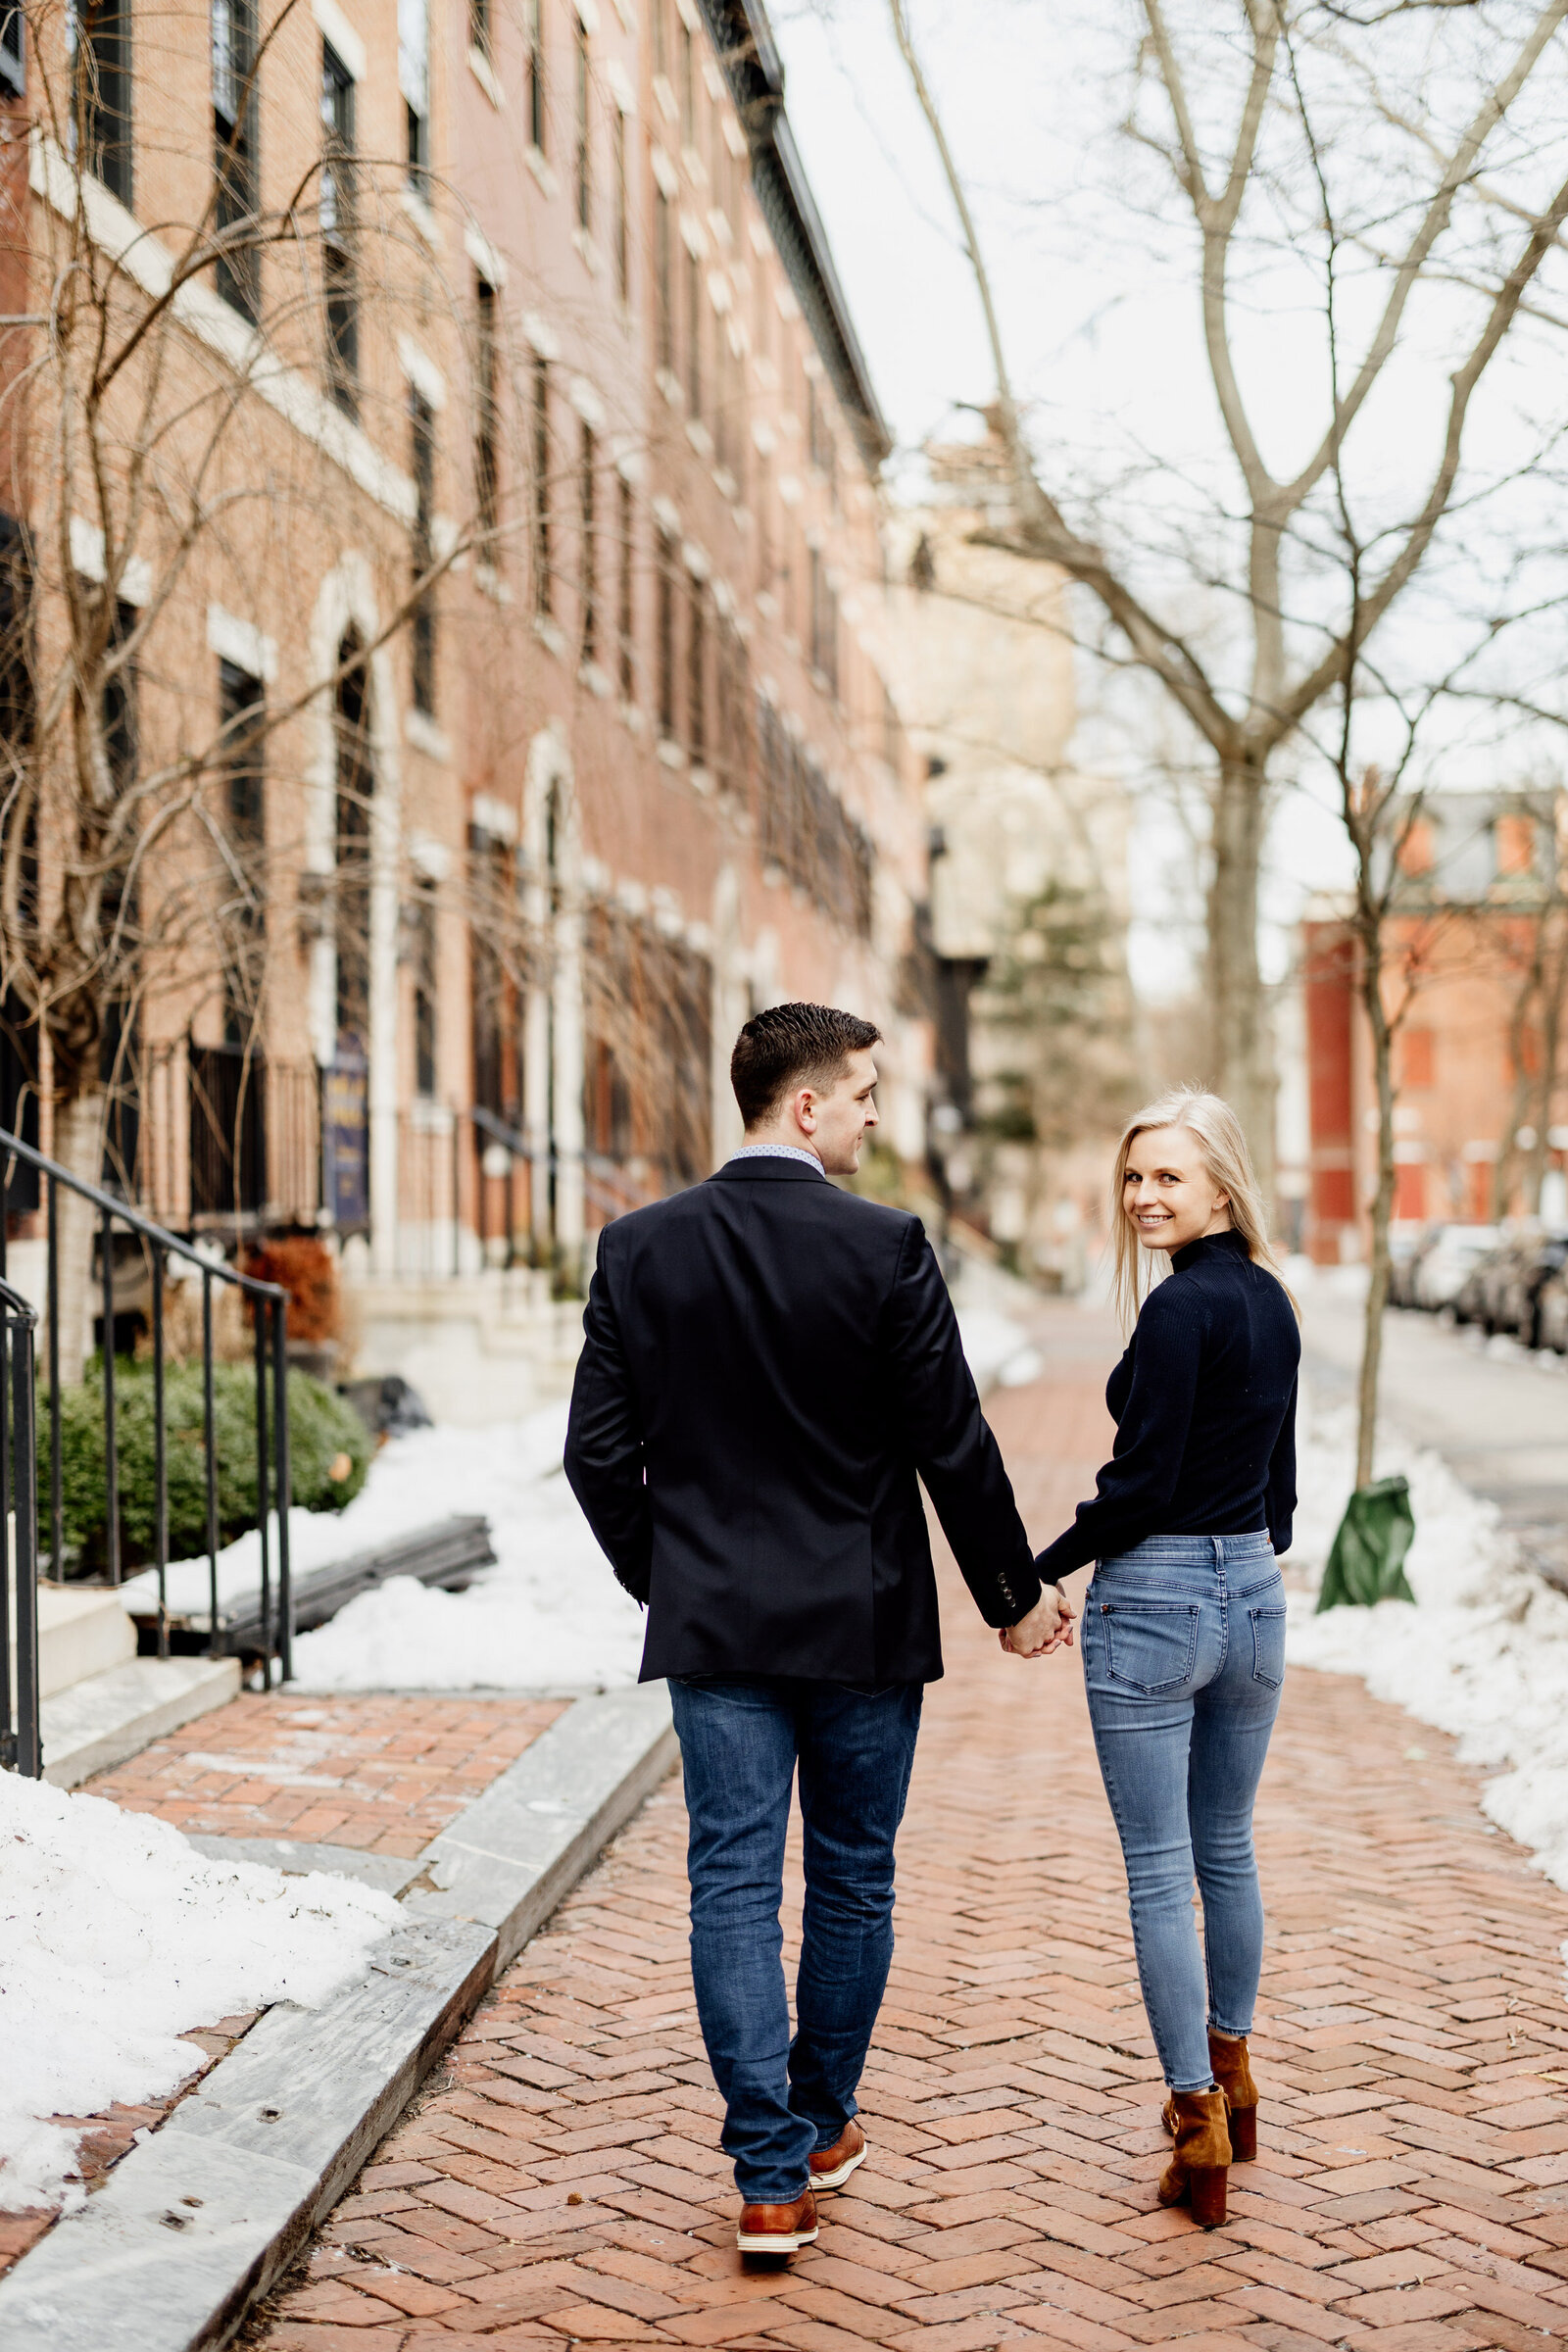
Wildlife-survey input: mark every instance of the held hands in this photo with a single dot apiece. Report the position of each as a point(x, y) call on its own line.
point(1047, 1627)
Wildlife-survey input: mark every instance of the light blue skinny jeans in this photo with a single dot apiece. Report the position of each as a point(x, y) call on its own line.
point(1184, 1655)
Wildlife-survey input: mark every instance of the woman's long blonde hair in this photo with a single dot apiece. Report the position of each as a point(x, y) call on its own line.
point(1226, 1157)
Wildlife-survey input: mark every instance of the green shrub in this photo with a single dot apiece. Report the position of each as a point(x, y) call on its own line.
point(322, 1430)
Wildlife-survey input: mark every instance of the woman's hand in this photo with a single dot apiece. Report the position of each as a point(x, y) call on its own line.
point(1047, 1627)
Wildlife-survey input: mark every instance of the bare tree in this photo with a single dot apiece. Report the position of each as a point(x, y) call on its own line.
point(1379, 814)
point(1450, 174)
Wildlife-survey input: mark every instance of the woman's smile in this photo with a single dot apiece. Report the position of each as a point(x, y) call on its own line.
point(1168, 1194)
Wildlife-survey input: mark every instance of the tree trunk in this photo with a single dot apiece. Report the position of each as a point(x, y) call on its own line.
point(79, 1146)
point(1377, 1289)
point(1241, 1046)
point(1514, 1159)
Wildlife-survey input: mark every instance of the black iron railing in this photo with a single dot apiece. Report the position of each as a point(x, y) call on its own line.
point(130, 1260)
point(227, 1141)
point(609, 1187)
point(506, 1168)
point(497, 1208)
point(19, 1747)
point(500, 1146)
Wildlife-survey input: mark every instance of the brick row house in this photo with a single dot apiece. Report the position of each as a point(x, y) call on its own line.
point(1478, 971)
point(446, 643)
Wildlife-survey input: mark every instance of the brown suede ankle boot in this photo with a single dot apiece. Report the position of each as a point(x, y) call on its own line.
point(1227, 2055)
point(1200, 2158)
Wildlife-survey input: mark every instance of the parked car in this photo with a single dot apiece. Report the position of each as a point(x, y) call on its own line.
point(1516, 1292)
point(1501, 1290)
point(1442, 1271)
point(1551, 1312)
point(1477, 1298)
point(1407, 1247)
point(1479, 1290)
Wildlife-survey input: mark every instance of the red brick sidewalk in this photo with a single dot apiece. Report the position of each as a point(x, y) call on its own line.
point(382, 1773)
point(561, 2183)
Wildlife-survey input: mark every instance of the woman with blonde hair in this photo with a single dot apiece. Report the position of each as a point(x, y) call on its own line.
point(1183, 1622)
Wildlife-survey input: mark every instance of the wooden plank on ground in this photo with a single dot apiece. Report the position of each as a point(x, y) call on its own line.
point(447, 1553)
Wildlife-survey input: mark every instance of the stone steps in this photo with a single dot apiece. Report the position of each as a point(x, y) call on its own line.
point(99, 1702)
point(83, 1629)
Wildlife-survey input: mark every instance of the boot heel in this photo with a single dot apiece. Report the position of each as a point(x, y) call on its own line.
point(1206, 2189)
point(1244, 2135)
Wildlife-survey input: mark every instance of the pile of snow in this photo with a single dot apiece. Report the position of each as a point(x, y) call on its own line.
point(117, 1938)
point(548, 1616)
point(990, 1304)
point(997, 1348)
point(1483, 1654)
point(405, 1490)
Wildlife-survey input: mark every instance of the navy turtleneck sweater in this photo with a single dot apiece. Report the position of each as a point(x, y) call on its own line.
point(1204, 1406)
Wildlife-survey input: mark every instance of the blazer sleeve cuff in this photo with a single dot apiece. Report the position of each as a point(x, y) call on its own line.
point(1011, 1596)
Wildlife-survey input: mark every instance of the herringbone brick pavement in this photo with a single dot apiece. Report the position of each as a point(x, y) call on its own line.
point(559, 2180)
point(380, 1772)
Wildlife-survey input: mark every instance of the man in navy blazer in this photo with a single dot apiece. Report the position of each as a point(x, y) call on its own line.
point(770, 1365)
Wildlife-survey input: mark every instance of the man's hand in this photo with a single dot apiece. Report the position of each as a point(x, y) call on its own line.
point(1047, 1627)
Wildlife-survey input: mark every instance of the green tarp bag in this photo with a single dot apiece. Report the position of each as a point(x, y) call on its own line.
point(1367, 1562)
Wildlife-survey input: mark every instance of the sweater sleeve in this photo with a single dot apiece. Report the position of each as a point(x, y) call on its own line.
point(1139, 1479)
point(956, 1456)
point(1279, 1500)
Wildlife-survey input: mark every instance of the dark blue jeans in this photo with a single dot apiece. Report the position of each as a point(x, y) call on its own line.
point(740, 1745)
point(1184, 1655)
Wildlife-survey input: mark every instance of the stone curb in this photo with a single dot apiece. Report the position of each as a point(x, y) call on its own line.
point(198, 2221)
point(99, 1723)
point(510, 1856)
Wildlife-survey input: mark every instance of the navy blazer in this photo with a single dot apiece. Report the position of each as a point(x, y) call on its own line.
point(768, 1364)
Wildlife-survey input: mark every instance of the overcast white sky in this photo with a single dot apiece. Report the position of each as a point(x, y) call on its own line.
point(1087, 245)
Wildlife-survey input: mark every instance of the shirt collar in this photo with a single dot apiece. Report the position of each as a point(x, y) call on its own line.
point(807, 1160)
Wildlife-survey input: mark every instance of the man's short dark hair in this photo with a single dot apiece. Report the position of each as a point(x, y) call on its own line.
point(790, 1045)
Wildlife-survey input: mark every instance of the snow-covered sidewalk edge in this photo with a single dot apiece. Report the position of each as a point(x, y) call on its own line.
point(117, 1938)
point(1481, 1655)
point(342, 2073)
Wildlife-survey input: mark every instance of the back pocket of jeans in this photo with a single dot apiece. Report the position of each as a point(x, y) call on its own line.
point(1268, 1646)
point(1149, 1643)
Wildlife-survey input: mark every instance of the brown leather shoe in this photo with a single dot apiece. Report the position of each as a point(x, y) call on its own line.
point(1200, 2158)
point(777, 2229)
point(832, 2167)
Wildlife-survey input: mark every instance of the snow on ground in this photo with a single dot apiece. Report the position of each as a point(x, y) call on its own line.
point(1483, 1654)
point(997, 1348)
point(989, 1302)
point(116, 1937)
point(405, 1490)
point(550, 1615)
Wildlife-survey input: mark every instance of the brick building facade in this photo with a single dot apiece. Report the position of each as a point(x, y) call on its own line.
point(1476, 947)
point(521, 680)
